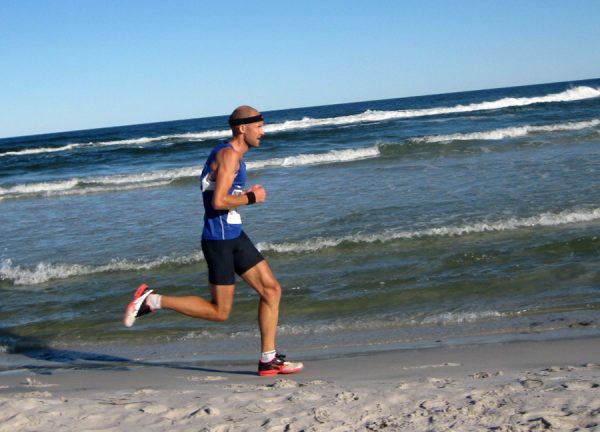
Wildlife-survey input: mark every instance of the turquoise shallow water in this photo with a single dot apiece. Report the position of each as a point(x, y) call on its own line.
point(406, 222)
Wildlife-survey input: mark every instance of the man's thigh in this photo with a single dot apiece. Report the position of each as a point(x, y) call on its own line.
point(260, 277)
point(222, 296)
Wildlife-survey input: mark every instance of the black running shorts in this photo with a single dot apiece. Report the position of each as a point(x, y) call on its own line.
point(225, 258)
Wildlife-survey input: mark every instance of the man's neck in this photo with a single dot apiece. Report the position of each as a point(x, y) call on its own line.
point(238, 144)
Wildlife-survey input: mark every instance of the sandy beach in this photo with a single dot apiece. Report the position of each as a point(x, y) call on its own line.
point(519, 386)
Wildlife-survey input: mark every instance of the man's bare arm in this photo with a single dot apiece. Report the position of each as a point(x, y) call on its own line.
point(227, 164)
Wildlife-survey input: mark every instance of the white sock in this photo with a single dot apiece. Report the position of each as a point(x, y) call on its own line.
point(154, 301)
point(266, 357)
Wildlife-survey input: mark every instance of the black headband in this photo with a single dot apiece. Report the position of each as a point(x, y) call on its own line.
point(245, 120)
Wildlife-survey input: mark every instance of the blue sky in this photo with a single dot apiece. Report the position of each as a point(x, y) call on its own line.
point(67, 65)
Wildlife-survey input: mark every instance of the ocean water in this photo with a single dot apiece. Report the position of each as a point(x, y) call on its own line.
point(447, 219)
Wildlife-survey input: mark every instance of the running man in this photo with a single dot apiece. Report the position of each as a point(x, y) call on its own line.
point(227, 249)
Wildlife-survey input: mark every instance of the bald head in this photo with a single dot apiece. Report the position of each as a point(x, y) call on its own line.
point(243, 115)
point(243, 112)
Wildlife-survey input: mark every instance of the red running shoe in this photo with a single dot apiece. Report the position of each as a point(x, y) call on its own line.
point(139, 305)
point(278, 366)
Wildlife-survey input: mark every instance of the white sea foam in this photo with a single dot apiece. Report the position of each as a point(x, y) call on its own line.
point(542, 220)
point(77, 186)
point(510, 132)
point(148, 177)
point(448, 318)
point(572, 94)
point(44, 272)
point(333, 156)
point(36, 188)
point(38, 150)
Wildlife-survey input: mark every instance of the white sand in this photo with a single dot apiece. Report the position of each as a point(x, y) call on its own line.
point(524, 386)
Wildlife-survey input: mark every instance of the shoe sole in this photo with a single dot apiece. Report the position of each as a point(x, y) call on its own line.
point(130, 312)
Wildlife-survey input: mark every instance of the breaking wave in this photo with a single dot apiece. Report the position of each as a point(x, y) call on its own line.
point(44, 272)
point(80, 186)
point(573, 94)
point(542, 220)
point(334, 156)
point(510, 132)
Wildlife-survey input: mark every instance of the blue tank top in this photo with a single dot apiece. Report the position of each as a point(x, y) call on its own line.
point(221, 224)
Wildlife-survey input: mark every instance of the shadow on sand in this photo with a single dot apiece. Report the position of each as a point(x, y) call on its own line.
point(36, 349)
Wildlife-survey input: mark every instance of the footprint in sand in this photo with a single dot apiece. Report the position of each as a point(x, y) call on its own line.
point(321, 414)
point(254, 408)
point(346, 397)
point(154, 409)
point(531, 383)
point(304, 396)
point(439, 383)
point(434, 405)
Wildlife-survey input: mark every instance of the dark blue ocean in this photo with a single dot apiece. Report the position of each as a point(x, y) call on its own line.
point(447, 219)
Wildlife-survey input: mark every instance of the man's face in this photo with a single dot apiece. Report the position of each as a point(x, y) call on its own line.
point(253, 134)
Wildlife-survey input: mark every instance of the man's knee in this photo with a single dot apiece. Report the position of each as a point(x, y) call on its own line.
point(272, 291)
point(221, 312)
point(222, 315)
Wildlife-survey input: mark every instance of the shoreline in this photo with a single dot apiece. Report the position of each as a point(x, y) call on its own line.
point(531, 385)
point(32, 353)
